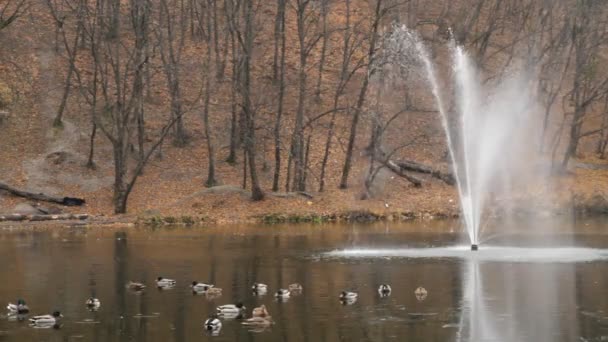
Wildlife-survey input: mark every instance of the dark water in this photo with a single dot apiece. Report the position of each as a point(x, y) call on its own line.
point(467, 301)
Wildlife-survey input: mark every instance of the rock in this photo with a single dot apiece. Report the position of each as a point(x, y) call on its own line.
point(25, 208)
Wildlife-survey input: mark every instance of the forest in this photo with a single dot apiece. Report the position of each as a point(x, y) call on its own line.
point(280, 96)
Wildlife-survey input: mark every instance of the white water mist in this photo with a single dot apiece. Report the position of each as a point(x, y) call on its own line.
point(489, 133)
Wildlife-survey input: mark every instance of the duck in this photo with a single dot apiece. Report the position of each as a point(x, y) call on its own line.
point(165, 282)
point(214, 291)
point(421, 293)
point(295, 287)
point(93, 303)
point(19, 308)
point(213, 323)
point(260, 311)
point(258, 322)
point(259, 288)
point(135, 286)
point(282, 294)
point(384, 290)
point(231, 309)
point(346, 295)
point(200, 287)
point(46, 319)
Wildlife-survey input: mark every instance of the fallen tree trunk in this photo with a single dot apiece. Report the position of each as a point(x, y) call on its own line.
point(33, 218)
point(68, 201)
point(416, 167)
point(391, 165)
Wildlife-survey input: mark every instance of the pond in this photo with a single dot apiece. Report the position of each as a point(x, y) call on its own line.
point(483, 299)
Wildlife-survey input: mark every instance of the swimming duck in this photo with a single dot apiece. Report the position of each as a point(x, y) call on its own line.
point(421, 293)
point(259, 288)
point(213, 324)
point(282, 294)
point(345, 295)
point(260, 311)
point(214, 291)
point(164, 282)
point(135, 286)
point(200, 287)
point(258, 322)
point(46, 319)
point(93, 303)
point(295, 287)
point(231, 309)
point(19, 308)
point(384, 290)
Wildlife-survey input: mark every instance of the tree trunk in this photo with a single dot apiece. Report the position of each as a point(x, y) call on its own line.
point(277, 124)
point(256, 191)
point(69, 201)
point(323, 50)
point(361, 98)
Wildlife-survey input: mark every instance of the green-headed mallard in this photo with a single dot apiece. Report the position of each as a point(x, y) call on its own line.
point(46, 319)
point(165, 282)
point(19, 308)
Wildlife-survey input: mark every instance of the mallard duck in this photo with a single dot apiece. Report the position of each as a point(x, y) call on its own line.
point(258, 321)
point(260, 311)
point(384, 290)
point(93, 303)
point(282, 294)
point(344, 295)
point(421, 293)
point(19, 308)
point(135, 286)
point(259, 289)
point(46, 319)
point(295, 287)
point(164, 282)
point(200, 287)
point(231, 309)
point(214, 291)
point(213, 323)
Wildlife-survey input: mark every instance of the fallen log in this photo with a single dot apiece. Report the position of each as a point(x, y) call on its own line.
point(409, 165)
point(41, 217)
point(391, 165)
point(68, 201)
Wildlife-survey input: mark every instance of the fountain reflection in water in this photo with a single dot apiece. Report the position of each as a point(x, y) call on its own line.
point(497, 311)
point(490, 132)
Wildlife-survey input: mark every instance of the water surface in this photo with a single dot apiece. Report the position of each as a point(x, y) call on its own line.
point(469, 299)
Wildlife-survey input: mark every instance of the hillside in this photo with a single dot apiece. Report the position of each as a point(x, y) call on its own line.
point(41, 156)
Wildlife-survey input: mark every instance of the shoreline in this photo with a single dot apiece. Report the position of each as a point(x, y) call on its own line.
point(268, 219)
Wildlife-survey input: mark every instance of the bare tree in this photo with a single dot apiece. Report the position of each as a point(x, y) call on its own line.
point(306, 22)
point(352, 43)
point(379, 12)
point(589, 33)
point(245, 37)
point(171, 35)
point(78, 8)
point(279, 37)
point(211, 181)
point(11, 10)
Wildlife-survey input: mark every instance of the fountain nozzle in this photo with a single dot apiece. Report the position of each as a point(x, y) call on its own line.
point(474, 247)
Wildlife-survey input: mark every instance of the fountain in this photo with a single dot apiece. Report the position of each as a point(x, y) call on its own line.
point(488, 133)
